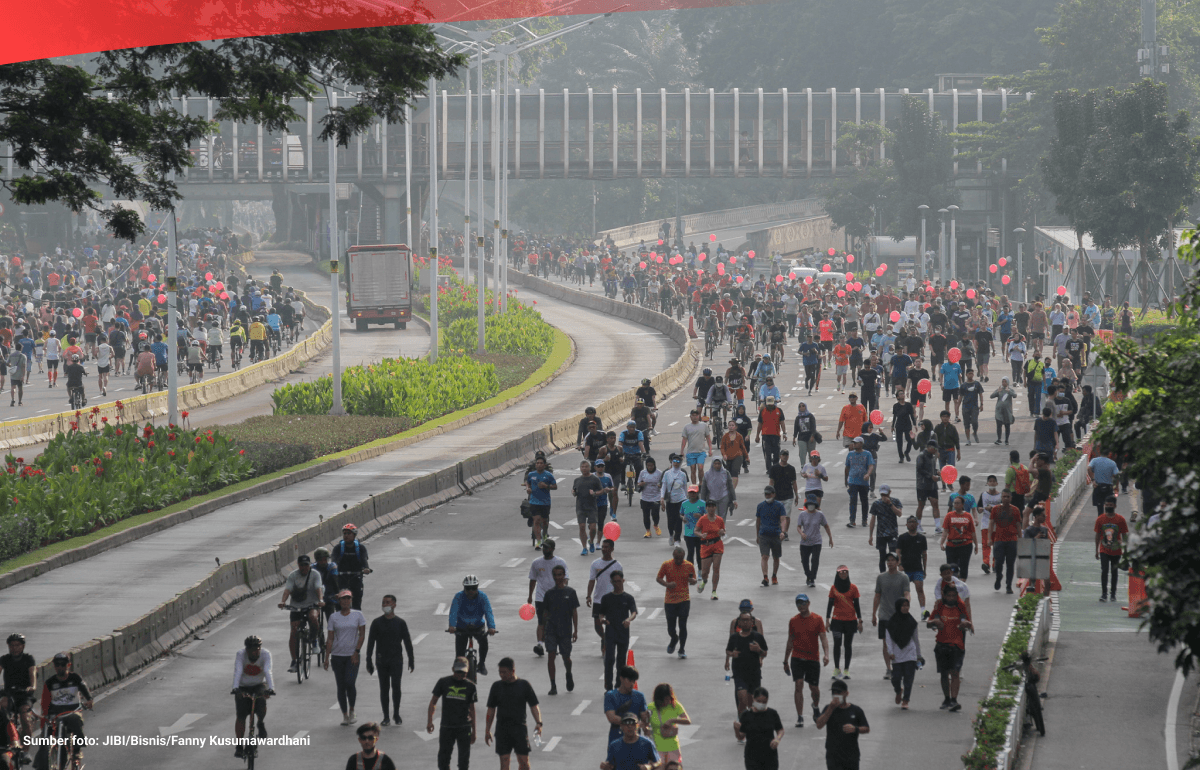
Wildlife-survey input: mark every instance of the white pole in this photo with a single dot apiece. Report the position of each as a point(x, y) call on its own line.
point(408, 177)
point(335, 303)
point(482, 218)
point(503, 289)
point(467, 187)
point(172, 322)
point(496, 257)
point(433, 231)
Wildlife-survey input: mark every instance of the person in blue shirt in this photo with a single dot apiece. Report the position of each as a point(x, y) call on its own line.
point(538, 484)
point(769, 535)
point(630, 751)
point(160, 351)
point(951, 372)
point(274, 326)
point(810, 357)
point(625, 701)
point(606, 483)
point(859, 467)
point(1048, 375)
point(633, 444)
point(964, 486)
point(1102, 474)
point(768, 389)
point(1005, 322)
point(469, 611)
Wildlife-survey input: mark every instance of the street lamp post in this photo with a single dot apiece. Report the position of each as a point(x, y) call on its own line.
point(924, 247)
point(942, 247)
point(433, 229)
point(336, 322)
point(1020, 233)
point(953, 243)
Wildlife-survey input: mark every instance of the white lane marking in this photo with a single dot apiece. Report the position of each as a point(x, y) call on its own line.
point(486, 583)
point(435, 584)
point(740, 540)
point(553, 742)
point(556, 525)
point(784, 564)
point(442, 609)
point(514, 562)
point(1172, 709)
point(745, 522)
point(633, 588)
point(184, 723)
point(821, 406)
point(580, 708)
point(405, 542)
point(672, 424)
point(424, 735)
point(420, 563)
point(982, 451)
point(42, 410)
point(656, 613)
point(632, 641)
point(686, 732)
point(299, 735)
point(334, 707)
point(969, 465)
point(418, 639)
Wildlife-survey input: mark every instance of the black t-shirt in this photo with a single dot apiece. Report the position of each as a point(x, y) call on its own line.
point(938, 318)
point(1045, 480)
point(16, 670)
point(457, 697)
point(868, 377)
point(983, 341)
point(380, 761)
point(510, 701)
point(75, 374)
point(903, 417)
point(911, 546)
point(937, 343)
point(914, 345)
point(760, 728)
point(593, 443)
point(1022, 319)
point(783, 478)
point(558, 604)
point(970, 394)
point(916, 375)
point(840, 746)
point(747, 662)
point(616, 608)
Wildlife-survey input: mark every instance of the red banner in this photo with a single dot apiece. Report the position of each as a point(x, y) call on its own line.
point(47, 28)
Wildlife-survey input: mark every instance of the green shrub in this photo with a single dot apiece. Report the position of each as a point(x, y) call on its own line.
point(520, 331)
point(18, 535)
point(268, 457)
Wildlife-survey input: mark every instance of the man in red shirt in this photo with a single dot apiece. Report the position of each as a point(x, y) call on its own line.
point(676, 574)
point(1004, 531)
point(952, 619)
point(851, 420)
point(959, 538)
point(1111, 533)
point(800, 659)
point(825, 327)
point(772, 429)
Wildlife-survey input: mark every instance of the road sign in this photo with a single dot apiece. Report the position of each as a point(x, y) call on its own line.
point(1033, 558)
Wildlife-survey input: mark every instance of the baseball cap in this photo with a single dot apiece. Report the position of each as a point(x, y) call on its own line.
point(842, 567)
point(693, 488)
point(768, 490)
point(345, 592)
point(931, 442)
point(811, 502)
point(746, 604)
point(460, 664)
point(857, 440)
point(839, 686)
point(62, 657)
point(801, 598)
point(885, 490)
point(599, 463)
point(304, 559)
point(630, 719)
point(770, 399)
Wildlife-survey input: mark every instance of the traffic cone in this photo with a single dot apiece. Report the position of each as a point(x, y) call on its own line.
point(692, 328)
point(1138, 602)
point(629, 662)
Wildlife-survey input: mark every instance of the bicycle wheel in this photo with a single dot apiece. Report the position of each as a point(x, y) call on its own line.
point(251, 755)
point(302, 661)
point(472, 664)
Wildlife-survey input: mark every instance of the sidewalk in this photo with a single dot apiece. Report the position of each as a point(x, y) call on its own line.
point(71, 605)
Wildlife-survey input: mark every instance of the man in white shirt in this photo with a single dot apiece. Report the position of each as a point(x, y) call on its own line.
point(541, 580)
point(600, 583)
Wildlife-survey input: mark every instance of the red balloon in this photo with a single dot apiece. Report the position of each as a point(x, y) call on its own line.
point(658, 260)
point(791, 276)
point(850, 277)
point(642, 265)
point(720, 269)
point(77, 313)
point(1004, 280)
point(162, 299)
point(155, 243)
point(949, 474)
point(832, 251)
point(151, 278)
point(877, 417)
point(878, 272)
point(954, 284)
point(857, 286)
point(895, 316)
point(808, 280)
point(224, 295)
point(733, 260)
point(841, 293)
point(527, 611)
point(953, 355)
point(739, 279)
point(612, 531)
point(712, 237)
point(970, 294)
point(924, 386)
point(703, 257)
point(779, 279)
point(1061, 290)
point(825, 268)
point(850, 259)
point(993, 268)
point(660, 242)
point(208, 276)
point(220, 286)
point(750, 254)
point(1003, 261)
point(883, 266)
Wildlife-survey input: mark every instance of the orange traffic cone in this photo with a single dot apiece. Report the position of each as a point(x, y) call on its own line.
point(1138, 602)
point(692, 328)
point(629, 662)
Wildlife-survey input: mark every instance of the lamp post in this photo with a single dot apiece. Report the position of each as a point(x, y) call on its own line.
point(923, 248)
point(953, 243)
point(942, 247)
point(433, 230)
point(1020, 233)
point(336, 323)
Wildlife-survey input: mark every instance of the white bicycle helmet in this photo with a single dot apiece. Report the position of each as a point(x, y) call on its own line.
point(470, 581)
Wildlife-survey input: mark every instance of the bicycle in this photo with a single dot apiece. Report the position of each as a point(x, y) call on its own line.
point(470, 654)
point(710, 344)
point(717, 419)
point(630, 481)
point(250, 750)
point(59, 755)
point(1033, 699)
point(76, 398)
point(745, 351)
point(235, 356)
point(312, 641)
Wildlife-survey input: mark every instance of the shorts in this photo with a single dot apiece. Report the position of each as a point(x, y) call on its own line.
point(826, 344)
point(696, 458)
point(586, 517)
point(949, 394)
point(881, 626)
point(846, 441)
point(243, 703)
point(195, 367)
point(596, 608)
point(734, 466)
point(839, 369)
point(18, 698)
point(814, 494)
point(747, 682)
point(52, 364)
point(89, 337)
point(540, 608)
point(556, 645)
point(847, 627)
point(103, 369)
point(770, 545)
point(927, 494)
point(540, 510)
point(919, 398)
point(949, 658)
point(808, 670)
point(512, 739)
point(118, 353)
point(707, 551)
point(161, 367)
point(1037, 335)
point(916, 576)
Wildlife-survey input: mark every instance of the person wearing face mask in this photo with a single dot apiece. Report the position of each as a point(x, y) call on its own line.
point(391, 635)
point(846, 721)
point(903, 651)
point(843, 616)
point(761, 729)
point(952, 619)
point(987, 501)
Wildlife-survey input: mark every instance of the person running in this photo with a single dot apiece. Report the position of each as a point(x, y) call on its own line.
point(809, 524)
point(769, 524)
point(810, 358)
point(951, 374)
point(904, 421)
point(618, 610)
point(859, 468)
point(846, 721)
point(388, 641)
point(1112, 534)
point(711, 529)
point(562, 626)
point(347, 630)
point(913, 550)
point(251, 677)
point(538, 484)
point(666, 715)
point(587, 489)
point(971, 398)
point(541, 580)
point(890, 586)
point(800, 655)
point(734, 451)
point(761, 730)
point(1004, 529)
point(902, 649)
point(744, 654)
point(506, 705)
point(675, 575)
point(951, 617)
point(600, 583)
point(691, 511)
point(843, 615)
point(649, 484)
point(459, 696)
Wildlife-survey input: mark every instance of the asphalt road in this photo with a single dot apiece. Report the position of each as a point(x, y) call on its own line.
point(423, 560)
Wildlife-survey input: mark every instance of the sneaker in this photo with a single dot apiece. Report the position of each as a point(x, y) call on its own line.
point(955, 706)
point(945, 704)
point(584, 552)
point(294, 667)
point(591, 547)
point(352, 718)
point(925, 615)
point(539, 650)
point(997, 583)
point(553, 689)
point(658, 530)
point(816, 713)
point(396, 718)
point(987, 569)
point(1103, 597)
point(800, 721)
point(1008, 589)
point(887, 675)
point(850, 525)
point(937, 530)
point(846, 673)
point(741, 741)
point(837, 673)
point(714, 597)
point(774, 580)
point(570, 682)
point(671, 646)
point(346, 720)
point(765, 581)
point(682, 655)
point(385, 722)
point(482, 672)
point(647, 535)
point(700, 588)
point(239, 753)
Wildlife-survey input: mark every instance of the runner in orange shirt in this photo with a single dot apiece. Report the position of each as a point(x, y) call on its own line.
point(851, 420)
point(841, 362)
point(676, 575)
point(711, 529)
point(826, 330)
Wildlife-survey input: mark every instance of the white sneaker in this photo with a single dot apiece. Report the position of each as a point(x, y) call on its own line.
point(352, 718)
point(346, 719)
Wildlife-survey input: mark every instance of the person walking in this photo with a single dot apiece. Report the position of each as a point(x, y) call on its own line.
point(676, 575)
point(387, 642)
point(949, 450)
point(843, 615)
point(846, 721)
point(631, 751)
point(927, 483)
point(458, 696)
point(347, 630)
point(587, 488)
point(860, 465)
point(711, 529)
point(600, 583)
point(787, 491)
point(761, 730)
point(771, 431)
point(913, 550)
point(902, 648)
point(538, 484)
point(649, 484)
point(734, 452)
point(716, 486)
point(1005, 397)
point(541, 580)
point(951, 617)
point(696, 444)
point(370, 757)
point(1102, 473)
point(625, 701)
point(890, 586)
point(674, 493)
point(1112, 532)
point(800, 655)
point(506, 705)
point(666, 715)
point(809, 525)
point(850, 421)
point(618, 610)
point(768, 528)
point(562, 626)
point(691, 511)
point(960, 538)
point(885, 514)
point(971, 394)
point(904, 421)
point(744, 654)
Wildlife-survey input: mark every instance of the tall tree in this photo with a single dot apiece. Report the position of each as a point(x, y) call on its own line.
point(853, 202)
point(70, 136)
point(924, 165)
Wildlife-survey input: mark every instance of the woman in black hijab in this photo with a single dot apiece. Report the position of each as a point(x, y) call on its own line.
point(904, 650)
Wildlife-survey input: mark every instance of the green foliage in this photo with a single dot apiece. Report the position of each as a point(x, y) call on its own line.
point(519, 331)
point(1062, 466)
point(274, 442)
point(403, 387)
point(86, 480)
point(59, 117)
point(1155, 427)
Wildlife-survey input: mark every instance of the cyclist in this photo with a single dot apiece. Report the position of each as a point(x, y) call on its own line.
point(251, 677)
point(145, 366)
point(276, 281)
point(351, 564)
point(307, 586)
point(275, 327)
point(642, 415)
point(703, 384)
point(75, 373)
point(64, 693)
point(195, 361)
point(744, 336)
point(469, 611)
point(329, 579)
point(161, 352)
point(633, 444)
point(258, 336)
point(718, 397)
point(297, 313)
point(646, 392)
point(712, 328)
point(778, 334)
point(237, 339)
point(20, 682)
point(735, 379)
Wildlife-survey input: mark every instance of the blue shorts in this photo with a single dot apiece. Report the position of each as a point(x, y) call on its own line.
point(696, 458)
point(916, 576)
